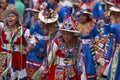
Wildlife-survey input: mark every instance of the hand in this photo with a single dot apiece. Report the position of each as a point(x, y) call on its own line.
point(30, 47)
point(101, 61)
point(96, 40)
point(24, 52)
point(44, 74)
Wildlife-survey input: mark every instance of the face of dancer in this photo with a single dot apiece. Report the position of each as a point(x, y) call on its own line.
point(83, 18)
point(3, 4)
point(46, 31)
point(36, 15)
point(116, 15)
point(49, 29)
point(11, 19)
point(67, 36)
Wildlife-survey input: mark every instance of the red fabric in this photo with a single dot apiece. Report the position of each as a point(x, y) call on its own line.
point(18, 61)
point(40, 1)
point(0, 45)
point(51, 75)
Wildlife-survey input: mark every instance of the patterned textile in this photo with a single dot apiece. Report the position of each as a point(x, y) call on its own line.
point(2, 62)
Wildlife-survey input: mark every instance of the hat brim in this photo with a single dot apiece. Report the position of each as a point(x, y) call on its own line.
point(109, 3)
point(73, 31)
point(115, 9)
point(86, 12)
point(6, 12)
point(76, 33)
point(49, 20)
point(34, 10)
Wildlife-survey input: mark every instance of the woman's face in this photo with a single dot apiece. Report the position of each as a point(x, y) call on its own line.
point(115, 15)
point(83, 18)
point(36, 15)
point(49, 29)
point(12, 19)
point(46, 30)
point(67, 36)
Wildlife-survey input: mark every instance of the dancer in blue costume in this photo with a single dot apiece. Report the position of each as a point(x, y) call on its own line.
point(37, 57)
point(97, 10)
point(63, 8)
point(34, 23)
point(114, 70)
point(106, 45)
point(89, 35)
point(33, 62)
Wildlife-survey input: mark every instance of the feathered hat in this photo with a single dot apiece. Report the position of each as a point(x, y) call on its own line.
point(115, 7)
point(48, 16)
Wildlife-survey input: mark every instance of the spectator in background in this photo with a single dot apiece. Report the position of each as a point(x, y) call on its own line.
point(4, 4)
point(11, 1)
point(26, 3)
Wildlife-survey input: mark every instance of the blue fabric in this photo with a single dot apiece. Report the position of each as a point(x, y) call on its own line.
point(92, 34)
point(90, 66)
point(118, 33)
point(88, 58)
point(117, 74)
point(36, 28)
point(63, 13)
point(98, 12)
point(115, 30)
point(50, 6)
point(106, 28)
point(109, 71)
point(84, 1)
point(109, 53)
point(32, 55)
point(11, 1)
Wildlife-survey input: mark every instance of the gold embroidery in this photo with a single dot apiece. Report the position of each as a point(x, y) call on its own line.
point(85, 28)
point(114, 64)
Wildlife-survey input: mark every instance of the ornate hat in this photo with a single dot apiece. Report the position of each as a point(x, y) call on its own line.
point(12, 9)
point(115, 8)
point(30, 9)
point(85, 9)
point(48, 16)
point(69, 25)
point(109, 3)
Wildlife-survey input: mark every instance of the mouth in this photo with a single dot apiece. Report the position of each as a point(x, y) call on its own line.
point(10, 22)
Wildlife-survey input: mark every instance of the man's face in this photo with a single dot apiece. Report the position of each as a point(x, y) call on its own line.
point(3, 4)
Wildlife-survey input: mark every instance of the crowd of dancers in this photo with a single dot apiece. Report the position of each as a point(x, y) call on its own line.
point(59, 39)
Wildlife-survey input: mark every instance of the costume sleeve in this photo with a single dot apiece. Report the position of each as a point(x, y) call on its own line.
point(110, 28)
point(38, 28)
point(96, 32)
point(118, 35)
point(1, 26)
point(52, 54)
point(106, 28)
point(98, 12)
point(29, 39)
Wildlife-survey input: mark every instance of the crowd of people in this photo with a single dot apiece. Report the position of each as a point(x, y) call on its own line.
point(59, 39)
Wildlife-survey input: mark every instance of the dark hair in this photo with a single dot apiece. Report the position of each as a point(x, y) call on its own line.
point(7, 1)
point(88, 17)
point(57, 0)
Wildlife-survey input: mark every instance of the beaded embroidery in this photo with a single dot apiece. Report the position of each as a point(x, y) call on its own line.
point(85, 29)
point(69, 53)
